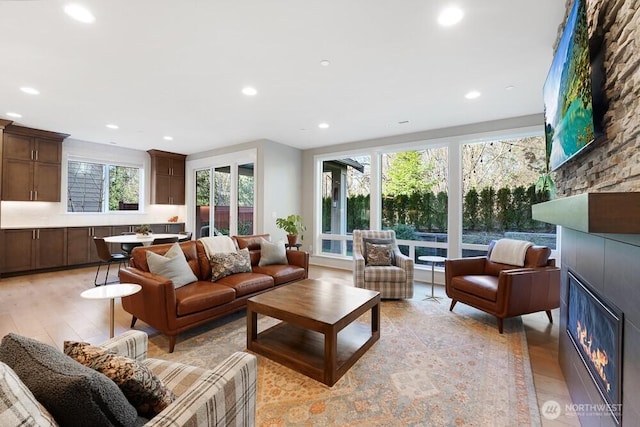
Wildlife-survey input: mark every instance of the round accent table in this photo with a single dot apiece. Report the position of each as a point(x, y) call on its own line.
point(433, 260)
point(111, 292)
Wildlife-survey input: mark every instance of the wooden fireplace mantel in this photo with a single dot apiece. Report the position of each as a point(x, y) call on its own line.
point(617, 213)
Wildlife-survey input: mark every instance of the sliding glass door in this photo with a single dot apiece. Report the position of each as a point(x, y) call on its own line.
point(224, 200)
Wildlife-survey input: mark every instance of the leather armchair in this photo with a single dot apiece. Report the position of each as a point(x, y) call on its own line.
point(394, 281)
point(505, 290)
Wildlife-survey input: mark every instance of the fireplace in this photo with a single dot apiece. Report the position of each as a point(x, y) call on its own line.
point(595, 327)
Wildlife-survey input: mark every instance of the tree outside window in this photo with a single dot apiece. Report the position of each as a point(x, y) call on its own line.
point(97, 187)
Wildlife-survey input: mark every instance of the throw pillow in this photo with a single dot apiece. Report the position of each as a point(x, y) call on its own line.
point(173, 265)
point(224, 264)
point(378, 241)
point(378, 255)
point(144, 390)
point(18, 406)
point(272, 253)
point(72, 393)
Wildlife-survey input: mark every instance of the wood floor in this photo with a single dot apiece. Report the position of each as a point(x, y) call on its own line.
point(48, 307)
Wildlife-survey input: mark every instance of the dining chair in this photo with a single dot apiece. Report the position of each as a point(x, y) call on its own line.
point(161, 240)
point(106, 257)
point(128, 247)
point(185, 236)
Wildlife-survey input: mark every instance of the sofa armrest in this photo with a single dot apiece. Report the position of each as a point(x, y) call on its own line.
point(298, 258)
point(132, 344)
point(155, 303)
point(223, 396)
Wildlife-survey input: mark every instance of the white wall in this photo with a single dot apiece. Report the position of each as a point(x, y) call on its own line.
point(48, 214)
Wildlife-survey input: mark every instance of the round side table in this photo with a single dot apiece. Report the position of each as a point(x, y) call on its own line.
point(433, 260)
point(111, 292)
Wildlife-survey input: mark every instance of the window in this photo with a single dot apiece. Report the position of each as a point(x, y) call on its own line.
point(99, 187)
point(498, 184)
point(414, 199)
point(345, 201)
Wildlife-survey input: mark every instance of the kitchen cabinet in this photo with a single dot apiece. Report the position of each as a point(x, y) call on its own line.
point(170, 228)
point(80, 246)
point(34, 249)
point(31, 164)
point(167, 178)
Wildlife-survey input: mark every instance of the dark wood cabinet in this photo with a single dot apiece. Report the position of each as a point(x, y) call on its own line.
point(80, 246)
point(171, 228)
point(167, 178)
point(31, 164)
point(34, 249)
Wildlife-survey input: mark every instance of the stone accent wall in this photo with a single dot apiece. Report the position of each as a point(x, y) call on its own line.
point(612, 164)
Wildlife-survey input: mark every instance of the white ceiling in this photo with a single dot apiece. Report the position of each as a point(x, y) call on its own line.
point(171, 67)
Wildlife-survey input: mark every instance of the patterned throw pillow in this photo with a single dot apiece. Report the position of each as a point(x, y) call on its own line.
point(225, 264)
point(144, 390)
point(378, 254)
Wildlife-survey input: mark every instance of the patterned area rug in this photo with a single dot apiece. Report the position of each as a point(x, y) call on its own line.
point(430, 367)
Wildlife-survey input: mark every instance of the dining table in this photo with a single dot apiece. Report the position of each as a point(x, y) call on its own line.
point(145, 239)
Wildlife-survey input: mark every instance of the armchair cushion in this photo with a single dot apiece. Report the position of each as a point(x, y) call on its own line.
point(173, 265)
point(72, 393)
point(144, 390)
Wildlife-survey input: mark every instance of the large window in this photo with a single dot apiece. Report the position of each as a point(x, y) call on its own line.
point(448, 197)
point(98, 187)
point(499, 180)
point(414, 199)
point(345, 201)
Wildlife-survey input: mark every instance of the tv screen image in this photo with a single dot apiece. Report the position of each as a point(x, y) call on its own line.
point(568, 98)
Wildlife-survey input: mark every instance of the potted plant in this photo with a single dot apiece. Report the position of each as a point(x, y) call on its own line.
point(143, 230)
point(293, 226)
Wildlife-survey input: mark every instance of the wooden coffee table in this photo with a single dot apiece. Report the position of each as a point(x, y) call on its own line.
point(317, 336)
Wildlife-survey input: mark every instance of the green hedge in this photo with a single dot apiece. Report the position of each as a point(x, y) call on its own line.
point(504, 209)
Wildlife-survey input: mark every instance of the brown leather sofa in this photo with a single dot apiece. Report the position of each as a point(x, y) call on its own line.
point(172, 311)
point(505, 290)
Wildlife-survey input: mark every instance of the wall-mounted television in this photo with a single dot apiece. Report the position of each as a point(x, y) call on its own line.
point(573, 95)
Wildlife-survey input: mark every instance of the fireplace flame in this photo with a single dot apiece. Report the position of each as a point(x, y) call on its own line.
point(598, 357)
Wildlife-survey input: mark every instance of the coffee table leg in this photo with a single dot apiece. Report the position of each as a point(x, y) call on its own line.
point(331, 356)
point(252, 327)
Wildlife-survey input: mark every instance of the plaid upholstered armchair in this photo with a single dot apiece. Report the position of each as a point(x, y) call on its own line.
point(380, 266)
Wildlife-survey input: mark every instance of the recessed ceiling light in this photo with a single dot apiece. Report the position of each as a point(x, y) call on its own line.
point(325, 63)
point(79, 13)
point(450, 16)
point(510, 87)
point(30, 90)
point(403, 122)
point(323, 125)
point(168, 138)
point(14, 115)
point(472, 94)
point(249, 91)
point(113, 143)
point(112, 126)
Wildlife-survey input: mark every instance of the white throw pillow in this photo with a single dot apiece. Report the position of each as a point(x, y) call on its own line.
point(173, 265)
point(272, 253)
